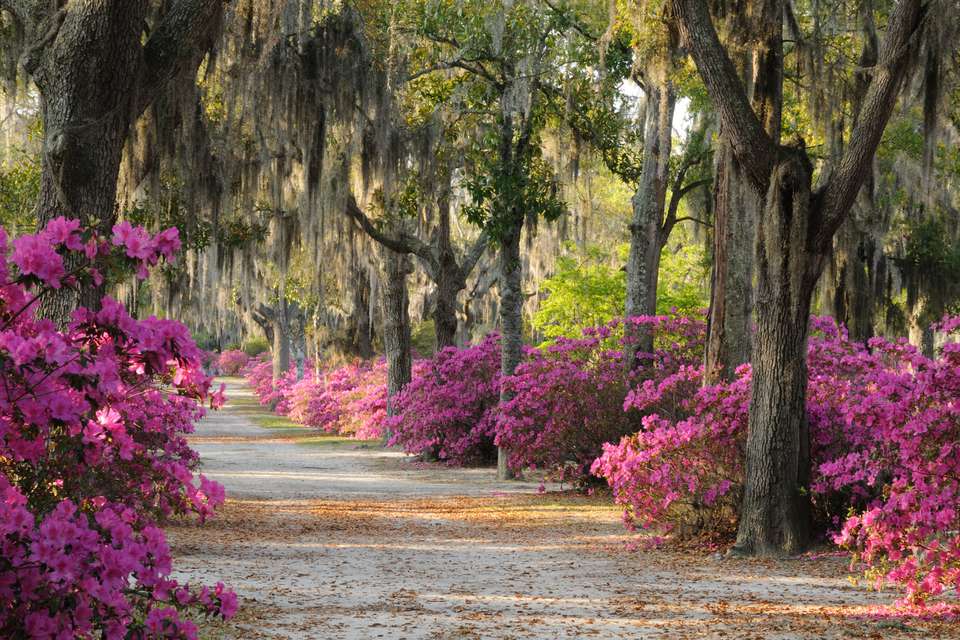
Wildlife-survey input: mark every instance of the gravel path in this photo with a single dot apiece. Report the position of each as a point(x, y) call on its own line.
point(333, 540)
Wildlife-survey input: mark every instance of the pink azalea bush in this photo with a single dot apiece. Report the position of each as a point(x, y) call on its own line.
point(683, 469)
point(259, 375)
point(884, 427)
point(448, 411)
point(345, 399)
point(350, 399)
point(567, 399)
point(232, 362)
point(93, 450)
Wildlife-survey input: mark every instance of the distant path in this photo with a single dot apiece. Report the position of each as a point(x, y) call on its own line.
point(333, 540)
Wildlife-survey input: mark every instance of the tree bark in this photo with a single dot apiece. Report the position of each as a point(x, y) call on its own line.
point(362, 340)
point(737, 204)
point(794, 236)
point(280, 355)
point(445, 309)
point(643, 263)
point(511, 321)
point(729, 333)
point(774, 515)
point(396, 323)
point(450, 280)
point(95, 78)
point(439, 260)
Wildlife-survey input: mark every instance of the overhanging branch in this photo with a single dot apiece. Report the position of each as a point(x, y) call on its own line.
point(403, 243)
point(752, 146)
point(182, 36)
point(903, 31)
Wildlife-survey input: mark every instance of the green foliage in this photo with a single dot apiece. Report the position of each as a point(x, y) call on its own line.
point(19, 191)
point(586, 290)
point(423, 338)
point(932, 259)
point(20, 182)
point(683, 284)
point(902, 136)
point(493, 68)
point(205, 340)
point(501, 197)
point(165, 208)
point(255, 346)
point(589, 289)
point(596, 115)
point(235, 232)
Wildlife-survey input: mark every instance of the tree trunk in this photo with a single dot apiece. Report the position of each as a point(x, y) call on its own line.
point(361, 341)
point(511, 321)
point(847, 286)
point(445, 309)
point(793, 237)
point(95, 75)
point(774, 515)
point(728, 328)
point(87, 86)
point(449, 280)
point(643, 263)
point(729, 333)
point(396, 323)
point(280, 354)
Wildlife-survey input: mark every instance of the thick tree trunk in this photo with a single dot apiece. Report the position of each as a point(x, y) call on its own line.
point(87, 82)
point(793, 237)
point(774, 516)
point(96, 75)
point(396, 323)
point(643, 263)
point(737, 204)
point(731, 294)
point(511, 321)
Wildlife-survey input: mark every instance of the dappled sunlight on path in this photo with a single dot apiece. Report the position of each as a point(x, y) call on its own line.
point(332, 540)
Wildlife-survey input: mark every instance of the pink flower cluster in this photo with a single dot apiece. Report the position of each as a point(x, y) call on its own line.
point(448, 412)
point(567, 400)
point(93, 451)
point(259, 374)
point(347, 399)
point(232, 362)
point(681, 471)
point(884, 427)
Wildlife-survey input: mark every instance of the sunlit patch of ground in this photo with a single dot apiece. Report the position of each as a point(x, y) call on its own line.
point(340, 540)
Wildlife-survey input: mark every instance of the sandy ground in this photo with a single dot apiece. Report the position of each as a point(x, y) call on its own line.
point(328, 539)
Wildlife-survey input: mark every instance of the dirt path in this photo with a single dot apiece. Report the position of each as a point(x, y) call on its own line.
point(329, 539)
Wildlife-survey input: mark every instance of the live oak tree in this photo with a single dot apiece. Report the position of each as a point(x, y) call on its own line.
point(794, 233)
point(502, 55)
point(97, 67)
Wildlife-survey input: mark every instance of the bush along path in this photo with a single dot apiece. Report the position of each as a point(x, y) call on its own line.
point(324, 537)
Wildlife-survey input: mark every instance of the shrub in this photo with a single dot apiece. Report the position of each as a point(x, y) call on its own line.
point(884, 433)
point(448, 411)
point(890, 423)
point(259, 375)
point(682, 471)
point(93, 449)
point(232, 362)
point(253, 347)
point(568, 398)
point(319, 400)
